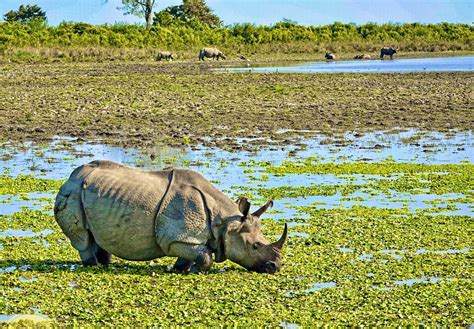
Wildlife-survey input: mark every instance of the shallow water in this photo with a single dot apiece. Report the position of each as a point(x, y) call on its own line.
point(235, 173)
point(24, 233)
point(437, 64)
point(321, 285)
point(10, 204)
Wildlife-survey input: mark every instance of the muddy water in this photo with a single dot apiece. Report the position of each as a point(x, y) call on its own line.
point(234, 172)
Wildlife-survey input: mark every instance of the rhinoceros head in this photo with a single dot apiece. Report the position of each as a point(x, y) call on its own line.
point(245, 244)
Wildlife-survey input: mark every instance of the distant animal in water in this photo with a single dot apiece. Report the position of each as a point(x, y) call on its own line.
point(106, 208)
point(169, 56)
point(213, 53)
point(330, 56)
point(362, 56)
point(389, 51)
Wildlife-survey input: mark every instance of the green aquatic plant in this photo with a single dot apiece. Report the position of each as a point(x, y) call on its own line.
point(26, 183)
point(356, 266)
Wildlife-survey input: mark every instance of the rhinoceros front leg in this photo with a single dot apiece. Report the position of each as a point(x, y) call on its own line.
point(199, 257)
point(182, 265)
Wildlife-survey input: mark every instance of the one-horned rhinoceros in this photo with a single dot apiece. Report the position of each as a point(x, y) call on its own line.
point(169, 56)
point(109, 209)
point(213, 53)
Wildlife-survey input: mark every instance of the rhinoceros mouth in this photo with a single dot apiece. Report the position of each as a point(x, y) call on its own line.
point(269, 267)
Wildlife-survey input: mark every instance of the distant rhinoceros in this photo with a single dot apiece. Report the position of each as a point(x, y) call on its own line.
point(330, 56)
point(106, 208)
point(389, 51)
point(165, 55)
point(213, 53)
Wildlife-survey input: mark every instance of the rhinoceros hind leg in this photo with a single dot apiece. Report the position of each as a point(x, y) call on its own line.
point(94, 255)
point(88, 256)
point(182, 265)
point(103, 256)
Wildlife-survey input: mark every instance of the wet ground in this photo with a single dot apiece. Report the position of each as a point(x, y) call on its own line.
point(372, 172)
point(387, 214)
point(144, 105)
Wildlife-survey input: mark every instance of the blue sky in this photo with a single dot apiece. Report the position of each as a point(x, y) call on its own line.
point(307, 12)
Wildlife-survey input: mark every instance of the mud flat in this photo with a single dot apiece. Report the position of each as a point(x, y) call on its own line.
point(147, 104)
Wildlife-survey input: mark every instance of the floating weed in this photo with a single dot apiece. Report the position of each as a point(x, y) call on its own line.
point(351, 253)
point(26, 183)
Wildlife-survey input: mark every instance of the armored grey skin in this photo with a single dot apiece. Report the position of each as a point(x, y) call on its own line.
point(330, 56)
point(389, 51)
point(165, 55)
point(106, 208)
point(363, 56)
point(213, 53)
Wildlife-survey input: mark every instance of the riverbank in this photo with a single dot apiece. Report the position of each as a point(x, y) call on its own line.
point(30, 55)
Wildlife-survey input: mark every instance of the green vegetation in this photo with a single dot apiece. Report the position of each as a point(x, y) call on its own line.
point(357, 266)
point(186, 36)
point(25, 184)
point(190, 12)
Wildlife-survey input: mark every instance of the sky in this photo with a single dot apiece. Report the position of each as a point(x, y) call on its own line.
point(306, 12)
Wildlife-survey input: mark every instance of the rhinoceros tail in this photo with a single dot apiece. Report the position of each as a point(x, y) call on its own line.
point(69, 212)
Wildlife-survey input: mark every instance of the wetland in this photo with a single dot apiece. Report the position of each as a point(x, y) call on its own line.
point(373, 172)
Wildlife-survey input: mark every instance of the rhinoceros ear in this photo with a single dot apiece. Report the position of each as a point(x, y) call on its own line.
point(264, 208)
point(244, 206)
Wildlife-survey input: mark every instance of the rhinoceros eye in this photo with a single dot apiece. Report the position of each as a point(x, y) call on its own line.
point(256, 245)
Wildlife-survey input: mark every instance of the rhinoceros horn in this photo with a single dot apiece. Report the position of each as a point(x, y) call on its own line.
point(279, 244)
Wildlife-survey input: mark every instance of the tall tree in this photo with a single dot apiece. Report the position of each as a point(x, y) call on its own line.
point(198, 9)
point(140, 8)
point(25, 14)
point(190, 9)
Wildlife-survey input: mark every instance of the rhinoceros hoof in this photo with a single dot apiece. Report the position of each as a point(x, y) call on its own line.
point(182, 265)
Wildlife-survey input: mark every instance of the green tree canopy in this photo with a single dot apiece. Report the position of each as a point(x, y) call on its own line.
point(190, 10)
point(25, 14)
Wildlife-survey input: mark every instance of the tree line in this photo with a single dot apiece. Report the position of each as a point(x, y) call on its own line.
point(192, 26)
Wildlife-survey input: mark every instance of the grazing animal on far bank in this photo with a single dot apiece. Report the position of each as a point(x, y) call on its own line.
point(330, 56)
point(107, 209)
point(169, 56)
point(362, 56)
point(388, 51)
point(213, 53)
